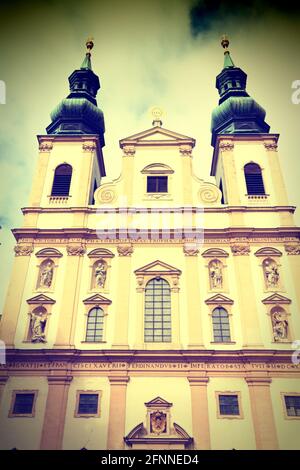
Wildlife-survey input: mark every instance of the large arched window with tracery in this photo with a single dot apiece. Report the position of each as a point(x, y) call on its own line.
point(254, 179)
point(221, 327)
point(157, 325)
point(95, 323)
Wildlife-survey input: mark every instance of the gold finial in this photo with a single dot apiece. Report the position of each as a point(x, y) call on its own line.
point(157, 113)
point(89, 44)
point(225, 42)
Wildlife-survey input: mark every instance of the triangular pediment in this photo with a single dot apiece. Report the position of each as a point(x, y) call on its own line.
point(97, 299)
point(276, 299)
point(41, 299)
point(158, 401)
point(157, 267)
point(157, 134)
point(219, 299)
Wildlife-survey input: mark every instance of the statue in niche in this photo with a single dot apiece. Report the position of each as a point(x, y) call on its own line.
point(100, 274)
point(158, 421)
point(37, 326)
point(280, 325)
point(271, 273)
point(46, 274)
point(216, 275)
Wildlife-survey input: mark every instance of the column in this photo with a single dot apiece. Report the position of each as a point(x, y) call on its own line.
point(262, 413)
point(293, 252)
point(230, 183)
point(40, 173)
point(186, 156)
point(128, 173)
point(195, 328)
point(70, 299)
point(246, 295)
point(276, 173)
point(200, 418)
point(117, 412)
point(55, 412)
point(8, 324)
point(120, 340)
point(3, 380)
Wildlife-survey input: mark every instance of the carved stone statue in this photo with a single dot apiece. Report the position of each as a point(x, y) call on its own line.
point(280, 325)
point(158, 421)
point(271, 273)
point(37, 327)
point(100, 274)
point(46, 274)
point(216, 275)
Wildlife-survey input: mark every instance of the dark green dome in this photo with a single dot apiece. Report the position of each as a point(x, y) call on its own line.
point(238, 114)
point(78, 113)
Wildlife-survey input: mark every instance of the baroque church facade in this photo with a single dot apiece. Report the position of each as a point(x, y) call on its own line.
point(158, 310)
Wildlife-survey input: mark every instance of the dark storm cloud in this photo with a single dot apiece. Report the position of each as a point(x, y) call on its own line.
point(205, 14)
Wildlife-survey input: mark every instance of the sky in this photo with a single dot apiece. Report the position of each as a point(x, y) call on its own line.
point(162, 53)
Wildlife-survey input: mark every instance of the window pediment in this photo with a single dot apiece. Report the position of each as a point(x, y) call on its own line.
point(100, 253)
point(215, 253)
point(276, 299)
point(97, 299)
point(157, 268)
point(40, 300)
point(48, 253)
point(268, 251)
point(157, 169)
point(219, 299)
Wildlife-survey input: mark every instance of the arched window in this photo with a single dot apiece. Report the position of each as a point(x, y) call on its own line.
point(158, 311)
point(254, 181)
point(62, 180)
point(221, 326)
point(95, 321)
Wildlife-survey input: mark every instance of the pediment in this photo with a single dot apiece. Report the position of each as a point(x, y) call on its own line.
point(100, 253)
point(157, 134)
point(158, 401)
point(48, 253)
point(276, 299)
point(219, 299)
point(97, 299)
point(268, 251)
point(215, 253)
point(40, 299)
point(158, 267)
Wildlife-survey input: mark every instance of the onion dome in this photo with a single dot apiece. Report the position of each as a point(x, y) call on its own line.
point(237, 112)
point(78, 112)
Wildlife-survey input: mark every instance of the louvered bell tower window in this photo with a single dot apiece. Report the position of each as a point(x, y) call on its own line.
point(254, 180)
point(62, 181)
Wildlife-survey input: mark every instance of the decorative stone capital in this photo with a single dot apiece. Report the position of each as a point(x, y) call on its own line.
point(292, 249)
point(125, 250)
point(60, 379)
point(190, 249)
point(89, 146)
point(45, 146)
point(128, 150)
point(23, 250)
point(185, 150)
point(226, 145)
point(76, 250)
point(270, 146)
point(240, 249)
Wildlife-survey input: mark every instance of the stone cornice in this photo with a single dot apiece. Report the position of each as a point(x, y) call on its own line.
point(238, 235)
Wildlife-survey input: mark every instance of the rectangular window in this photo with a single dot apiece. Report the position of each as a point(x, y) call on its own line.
point(229, 405)
point(292, 404)
point(157, 184)
point(88, 404)
point(23, 403)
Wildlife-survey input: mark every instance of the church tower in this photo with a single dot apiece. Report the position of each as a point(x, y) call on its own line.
point(157, 310)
